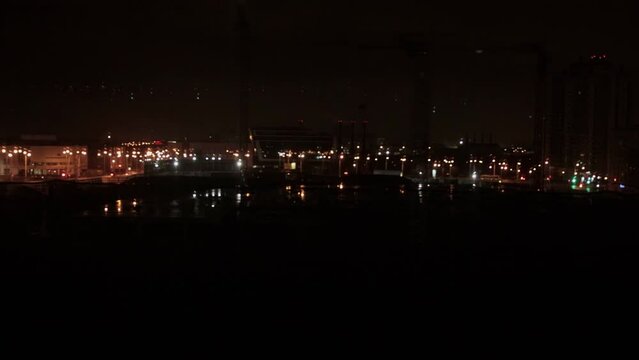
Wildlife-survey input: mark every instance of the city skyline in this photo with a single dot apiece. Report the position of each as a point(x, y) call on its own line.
point(170, 70)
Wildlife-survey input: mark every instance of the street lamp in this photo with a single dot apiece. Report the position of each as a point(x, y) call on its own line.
point(403, 160)
point(26, 155)
point(67, 154)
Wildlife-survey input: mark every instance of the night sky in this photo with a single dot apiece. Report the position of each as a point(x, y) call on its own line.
point(80, 68)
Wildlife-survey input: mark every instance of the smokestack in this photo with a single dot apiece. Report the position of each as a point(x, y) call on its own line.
point(362, 118)
point(339, 135)
point(243, 55)
point(352, 137)
point(363, 148)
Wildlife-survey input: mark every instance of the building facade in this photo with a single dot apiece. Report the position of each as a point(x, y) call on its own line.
point(40, 157)
point(590, 111)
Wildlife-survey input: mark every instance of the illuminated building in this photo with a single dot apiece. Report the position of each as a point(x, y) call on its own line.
point(590, 111)
point(285, 147)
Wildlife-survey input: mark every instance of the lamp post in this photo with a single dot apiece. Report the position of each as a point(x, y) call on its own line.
point(9, 157)
point(401, 173)
point(547, 172)
point(26, 169)
point(4, 162)
point(339, 167)
point(67, 153)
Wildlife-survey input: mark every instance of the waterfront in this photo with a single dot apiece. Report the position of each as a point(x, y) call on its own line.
point(339, 260)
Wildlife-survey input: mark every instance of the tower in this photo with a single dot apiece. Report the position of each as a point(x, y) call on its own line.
point(243, 54)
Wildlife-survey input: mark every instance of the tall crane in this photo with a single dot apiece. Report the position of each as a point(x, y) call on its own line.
point(244, 62)
point(420, 50)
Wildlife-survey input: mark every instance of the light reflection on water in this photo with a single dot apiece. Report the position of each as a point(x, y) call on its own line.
point(213, 202)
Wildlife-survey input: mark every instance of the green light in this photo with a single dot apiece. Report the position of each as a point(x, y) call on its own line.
point(574, 179)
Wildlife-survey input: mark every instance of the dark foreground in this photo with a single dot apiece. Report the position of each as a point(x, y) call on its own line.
point(295, 264)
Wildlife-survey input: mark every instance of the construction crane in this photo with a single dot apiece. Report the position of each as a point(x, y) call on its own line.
point(244, 62)
point(417, 48)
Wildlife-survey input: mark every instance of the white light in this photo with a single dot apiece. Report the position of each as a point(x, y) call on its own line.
point(239, 163)
point(176, 163)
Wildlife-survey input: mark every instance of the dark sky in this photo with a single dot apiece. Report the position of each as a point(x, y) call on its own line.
point(136, 67)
